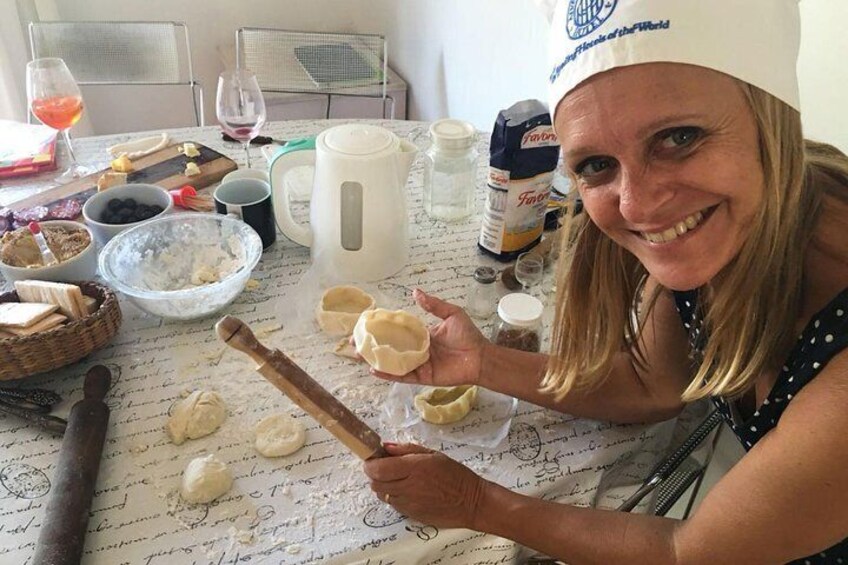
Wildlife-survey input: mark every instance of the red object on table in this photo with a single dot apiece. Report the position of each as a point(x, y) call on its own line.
point(181, 194)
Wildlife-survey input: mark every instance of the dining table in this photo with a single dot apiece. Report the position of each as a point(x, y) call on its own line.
point(315, 505)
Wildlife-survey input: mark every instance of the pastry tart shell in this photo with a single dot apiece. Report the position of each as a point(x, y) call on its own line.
point(446, 405)
point(340, 307)
point(392, 341)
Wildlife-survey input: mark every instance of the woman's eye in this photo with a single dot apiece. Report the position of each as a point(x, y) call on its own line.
point(594, 166)
point(679, 137)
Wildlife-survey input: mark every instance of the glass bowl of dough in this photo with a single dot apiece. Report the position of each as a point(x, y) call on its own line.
point(182, 266)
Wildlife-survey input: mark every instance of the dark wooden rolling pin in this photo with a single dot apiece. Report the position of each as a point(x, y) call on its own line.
point(62, 535)
point(284, 374)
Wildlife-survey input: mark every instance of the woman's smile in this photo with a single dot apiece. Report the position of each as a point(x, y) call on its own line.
point(679, 230)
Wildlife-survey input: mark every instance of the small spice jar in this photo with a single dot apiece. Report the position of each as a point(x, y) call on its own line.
point(450, 170)
point(520, 322)
point(482, 298)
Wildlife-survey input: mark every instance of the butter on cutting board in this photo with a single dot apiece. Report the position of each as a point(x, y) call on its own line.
point(189, 150)
point(122, 164)
point(109, 179)
point(191, 170)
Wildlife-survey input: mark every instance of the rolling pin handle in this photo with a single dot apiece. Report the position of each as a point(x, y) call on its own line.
point(97, 382)
point(238, 335)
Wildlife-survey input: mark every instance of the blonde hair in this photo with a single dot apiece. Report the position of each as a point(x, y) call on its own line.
point(749, 310)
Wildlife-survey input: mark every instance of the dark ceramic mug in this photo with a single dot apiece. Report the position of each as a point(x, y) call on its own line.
point(250, 200)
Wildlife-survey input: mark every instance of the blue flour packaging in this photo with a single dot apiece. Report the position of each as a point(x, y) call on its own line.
point(523, 155)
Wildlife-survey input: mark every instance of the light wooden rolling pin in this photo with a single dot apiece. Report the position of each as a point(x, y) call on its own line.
point(284, 374)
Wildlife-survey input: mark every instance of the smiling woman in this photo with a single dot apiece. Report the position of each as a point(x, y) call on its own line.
point(712, 261)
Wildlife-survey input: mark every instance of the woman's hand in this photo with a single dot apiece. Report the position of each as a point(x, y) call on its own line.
point(456, 347)
point(426, 486)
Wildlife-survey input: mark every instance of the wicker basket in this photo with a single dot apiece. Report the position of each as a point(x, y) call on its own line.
point(45, 351)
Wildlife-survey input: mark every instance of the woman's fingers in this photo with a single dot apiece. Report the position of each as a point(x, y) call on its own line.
point(435, 306)
point(395, 467)
point(421, 375)
point(405, 448)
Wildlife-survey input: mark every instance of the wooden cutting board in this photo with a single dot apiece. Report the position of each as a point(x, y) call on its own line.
point(163, 168)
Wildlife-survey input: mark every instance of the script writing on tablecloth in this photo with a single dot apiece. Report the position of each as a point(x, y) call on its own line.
point(315, 505)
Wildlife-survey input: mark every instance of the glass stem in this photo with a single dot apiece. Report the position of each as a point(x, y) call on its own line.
point(67, 134)
point(246, 145)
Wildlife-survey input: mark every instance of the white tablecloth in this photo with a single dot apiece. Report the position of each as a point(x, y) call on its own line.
point(315, 505)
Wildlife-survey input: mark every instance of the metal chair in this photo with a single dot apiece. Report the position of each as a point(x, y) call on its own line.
point(673, 477)
point(295, 62)
point(121, 53)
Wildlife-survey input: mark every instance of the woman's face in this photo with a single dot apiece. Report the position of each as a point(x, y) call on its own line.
point(667, 161)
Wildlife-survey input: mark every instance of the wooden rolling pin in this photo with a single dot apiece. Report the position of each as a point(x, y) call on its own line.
point(314, 399)
point(62, 535)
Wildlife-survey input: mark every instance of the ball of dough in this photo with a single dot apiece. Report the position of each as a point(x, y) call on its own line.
point(278, 435)
point(197, 415)
point(205, 479)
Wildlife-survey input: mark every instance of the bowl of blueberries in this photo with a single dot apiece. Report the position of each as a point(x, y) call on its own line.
point(112, 211)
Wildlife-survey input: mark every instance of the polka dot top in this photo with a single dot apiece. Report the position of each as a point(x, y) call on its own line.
point(824, 337)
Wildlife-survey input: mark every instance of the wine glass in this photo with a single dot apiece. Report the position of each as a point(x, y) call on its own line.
point(240, 106)
point(55, 99)
point(528, 270)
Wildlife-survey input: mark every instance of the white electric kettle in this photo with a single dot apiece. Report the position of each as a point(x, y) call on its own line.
point(358, 213)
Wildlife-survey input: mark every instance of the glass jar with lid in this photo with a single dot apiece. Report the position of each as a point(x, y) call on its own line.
point(482, 299)
point(520, 322)
point(450, 170)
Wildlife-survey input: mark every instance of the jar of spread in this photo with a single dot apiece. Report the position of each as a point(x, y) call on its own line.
point(519, 323)
point(450, 171)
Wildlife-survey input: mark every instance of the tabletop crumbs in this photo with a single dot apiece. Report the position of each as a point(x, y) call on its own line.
point(251, 284)
point(214, 357)
point(244, 537)
point(418, 269)
point(139, 448)
point(267, 329)
point(293, 549)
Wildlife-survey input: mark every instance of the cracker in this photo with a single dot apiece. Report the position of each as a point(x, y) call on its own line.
point(47, 323)
point(91, 304)
point(23, 314)
point(67, 297)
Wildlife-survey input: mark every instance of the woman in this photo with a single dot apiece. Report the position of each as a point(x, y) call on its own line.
point(707, 208)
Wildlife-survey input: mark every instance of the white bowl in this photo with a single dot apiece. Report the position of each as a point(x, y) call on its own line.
point(94, 207)
point(154, 263)
point(81, 267)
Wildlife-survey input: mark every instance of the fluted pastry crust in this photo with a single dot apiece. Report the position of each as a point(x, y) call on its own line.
point(392, 341)
point(340, 307)
point(446, 405)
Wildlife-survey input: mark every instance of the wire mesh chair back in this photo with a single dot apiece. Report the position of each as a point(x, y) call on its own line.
point(115, 52)
point(306, 62)
point(292, 61)
point(120, 53)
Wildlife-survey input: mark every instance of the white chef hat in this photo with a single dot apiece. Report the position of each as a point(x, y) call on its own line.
point(756, 41)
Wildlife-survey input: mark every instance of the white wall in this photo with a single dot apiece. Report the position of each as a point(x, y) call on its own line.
point(823, 71)
point(466, 58)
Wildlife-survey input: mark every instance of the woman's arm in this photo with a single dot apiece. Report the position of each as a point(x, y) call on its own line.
point(460, 354)
point(630, 394)
point(787, 498)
